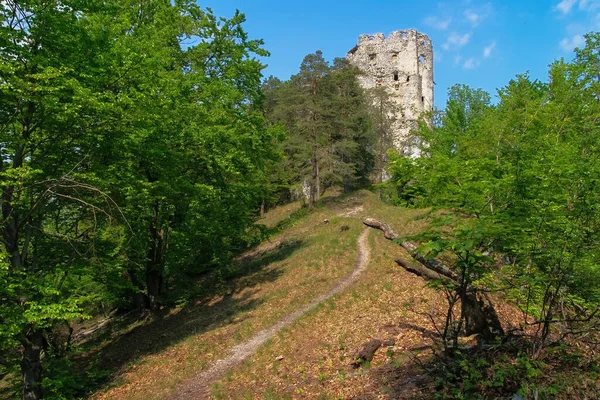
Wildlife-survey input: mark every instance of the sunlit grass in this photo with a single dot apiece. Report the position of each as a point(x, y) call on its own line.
point(322, 255)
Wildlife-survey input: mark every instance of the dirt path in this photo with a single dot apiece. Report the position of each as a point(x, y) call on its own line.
point(198, 386)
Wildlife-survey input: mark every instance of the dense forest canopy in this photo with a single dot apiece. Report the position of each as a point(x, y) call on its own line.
point(140, 143)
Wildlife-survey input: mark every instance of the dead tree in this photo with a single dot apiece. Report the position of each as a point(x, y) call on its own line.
point(477, 310)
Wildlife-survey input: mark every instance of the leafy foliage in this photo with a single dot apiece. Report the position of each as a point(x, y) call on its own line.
point(134, 152)
point(521, 177)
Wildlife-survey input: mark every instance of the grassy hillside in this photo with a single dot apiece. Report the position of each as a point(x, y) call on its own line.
point(386, 303)
point(308, 253)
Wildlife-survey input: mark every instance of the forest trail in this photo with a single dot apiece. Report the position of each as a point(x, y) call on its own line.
point(198, 386)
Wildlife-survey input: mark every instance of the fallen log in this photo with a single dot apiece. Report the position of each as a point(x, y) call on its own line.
point(390, 234)
point(478, 310)
point(367, 352)
point(420, 270)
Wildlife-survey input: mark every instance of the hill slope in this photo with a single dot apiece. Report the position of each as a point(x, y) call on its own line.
point(310, 357)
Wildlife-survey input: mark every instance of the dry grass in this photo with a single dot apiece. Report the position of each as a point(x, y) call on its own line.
point(311, 359)
point(307, 254)
point(277, 215)
point(386, 303)
point(314, 256)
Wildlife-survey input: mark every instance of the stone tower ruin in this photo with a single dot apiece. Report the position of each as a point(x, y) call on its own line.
point(402, 63)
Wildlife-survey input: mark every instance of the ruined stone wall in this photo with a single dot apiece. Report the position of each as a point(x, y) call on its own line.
point(403, 64)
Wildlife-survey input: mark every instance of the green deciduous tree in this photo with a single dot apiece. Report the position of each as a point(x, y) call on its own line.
point(133, 151)
point(526, 170)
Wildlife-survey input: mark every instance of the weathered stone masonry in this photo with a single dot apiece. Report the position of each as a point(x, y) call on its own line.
point(403, 64)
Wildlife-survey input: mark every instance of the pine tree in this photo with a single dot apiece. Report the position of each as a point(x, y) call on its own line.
point(324, 110)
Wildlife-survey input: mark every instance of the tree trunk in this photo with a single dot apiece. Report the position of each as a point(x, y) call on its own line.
point(139, 299)
point(10, 231)
point(347, 187)
point(154, 279)
point(31, 364)
point(154, 266)
point(33, 340)
point(477, 319)
point(419, 270)
point(318, 182)
point(315, 173)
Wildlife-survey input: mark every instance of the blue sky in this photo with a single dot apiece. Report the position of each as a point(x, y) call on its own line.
point(479, 43)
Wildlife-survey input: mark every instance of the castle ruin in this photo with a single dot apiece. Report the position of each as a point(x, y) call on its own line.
point(402, 63)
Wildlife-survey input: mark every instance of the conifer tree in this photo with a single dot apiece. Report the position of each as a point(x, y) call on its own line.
point(324, 110)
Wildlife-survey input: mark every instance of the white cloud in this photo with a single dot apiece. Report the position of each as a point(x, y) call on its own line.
point(457, 59)
point(459, 40)
point(471, 63)
point(473, 17)
point(438, 23)
point(487, 51)
point(477, 14)
point(456, 41)
point(568, 44)
point(587, 18)
point(565, 6)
